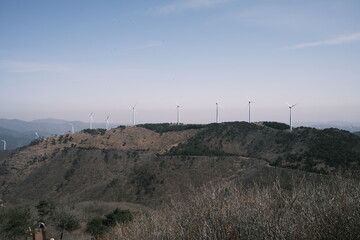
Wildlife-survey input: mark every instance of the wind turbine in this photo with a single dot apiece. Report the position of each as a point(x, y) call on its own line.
point(4, 144)
point(249, 102)
point(177, 113)
point(133, 114)
point(217, 112)
point(91, 119)
point(290, 107)
point(107, 122)
point(37, 135)
point(72, 127)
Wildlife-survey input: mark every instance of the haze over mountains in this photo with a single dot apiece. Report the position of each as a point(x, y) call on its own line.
point(18, 133)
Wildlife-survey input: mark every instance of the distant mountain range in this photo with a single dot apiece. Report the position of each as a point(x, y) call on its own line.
point(348, 126)
point(15, 139)
point(18, 133)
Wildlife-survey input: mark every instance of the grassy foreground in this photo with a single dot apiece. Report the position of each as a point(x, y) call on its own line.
point(298, 209)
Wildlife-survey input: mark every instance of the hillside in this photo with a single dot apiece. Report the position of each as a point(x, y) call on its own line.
point(307, 149)
point(150, 163)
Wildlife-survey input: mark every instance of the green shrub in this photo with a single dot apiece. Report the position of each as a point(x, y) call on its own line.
point(98, 131)
point(167, 127)
point(97, 226)
point(66, 222)
point(45, 208)
point(217, 133)
point(117, 216)
point(276, 125)
point(15, 223)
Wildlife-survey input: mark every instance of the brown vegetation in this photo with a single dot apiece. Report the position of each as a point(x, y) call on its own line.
point(304, 208)
point(90, 174)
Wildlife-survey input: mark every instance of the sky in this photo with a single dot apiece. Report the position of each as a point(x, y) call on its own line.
point(66, 59)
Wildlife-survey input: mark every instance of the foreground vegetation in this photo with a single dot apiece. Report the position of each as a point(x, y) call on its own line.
point(299, 209)
point(302, 206)
point(21, 222)
point(136, 166)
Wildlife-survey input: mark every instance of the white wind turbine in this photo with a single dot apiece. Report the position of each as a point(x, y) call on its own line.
point(91, 120)
point(133, 114)
point(72, 127)
point(290, 107)
point(249, 102)
point(37, 135)
point(177, 113)
point(107, 122)
point(5, 145)
point(217, 113)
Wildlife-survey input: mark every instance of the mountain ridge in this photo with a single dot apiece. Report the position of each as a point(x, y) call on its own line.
point(148, 164)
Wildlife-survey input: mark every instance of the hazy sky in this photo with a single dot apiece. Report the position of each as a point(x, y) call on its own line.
point(65, 59)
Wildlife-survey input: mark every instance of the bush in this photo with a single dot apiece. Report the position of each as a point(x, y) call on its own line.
point(98, 131)
point(167, 127)
point(15, 223)
point(299, 209)
point(117, 216)
point(45, 208)
point(66, 222)
point(97, 226)
point(276, 125)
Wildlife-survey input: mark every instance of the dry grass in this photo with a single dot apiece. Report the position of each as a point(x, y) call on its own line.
point(303, 209)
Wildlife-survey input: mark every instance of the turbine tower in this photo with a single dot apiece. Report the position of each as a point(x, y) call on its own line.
point(90, 120)
point(249, 102)
point(5, 145)
point(107, 122)
point(290, 108)
point(217, 112)
point(133, 114)
point(177, 114)
point(72, 128)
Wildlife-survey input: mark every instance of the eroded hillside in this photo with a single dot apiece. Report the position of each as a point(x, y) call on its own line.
point(150, 164)
point(82, 165)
